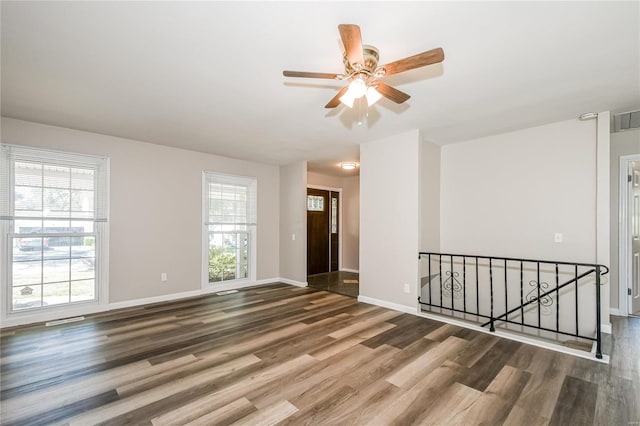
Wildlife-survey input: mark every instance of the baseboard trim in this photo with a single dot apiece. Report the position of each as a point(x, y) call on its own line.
point(95, 309)
point(614, 311)
point(389, 305)
point(516, 337)
point(606, 328)
point(293, 282)
point(355, 271)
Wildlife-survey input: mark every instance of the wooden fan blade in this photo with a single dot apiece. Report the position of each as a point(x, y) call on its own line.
point(416, 61)
point(309, 74)
point(336, 99)
point(352, 40)
point(389, 92)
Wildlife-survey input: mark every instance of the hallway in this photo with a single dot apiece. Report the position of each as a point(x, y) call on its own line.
point(345, 283)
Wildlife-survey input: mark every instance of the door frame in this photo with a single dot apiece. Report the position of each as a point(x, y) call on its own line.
point(338, 190)
point(624, 242)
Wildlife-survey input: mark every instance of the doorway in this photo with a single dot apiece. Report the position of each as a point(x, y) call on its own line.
point(630, 233)
point(322, 231)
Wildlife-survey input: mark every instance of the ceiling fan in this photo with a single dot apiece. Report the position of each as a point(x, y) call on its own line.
point(362, 71)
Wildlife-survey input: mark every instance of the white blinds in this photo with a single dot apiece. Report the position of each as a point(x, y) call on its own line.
point(28, 175)
point(231, 199)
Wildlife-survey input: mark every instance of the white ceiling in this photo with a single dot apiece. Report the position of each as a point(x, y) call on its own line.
point(207, 76)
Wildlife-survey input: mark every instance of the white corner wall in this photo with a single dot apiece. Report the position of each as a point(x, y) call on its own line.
point(293, 223)
point(389, 220)
point(156, 208)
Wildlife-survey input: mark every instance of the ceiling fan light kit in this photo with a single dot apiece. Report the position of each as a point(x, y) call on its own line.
point(362, 71)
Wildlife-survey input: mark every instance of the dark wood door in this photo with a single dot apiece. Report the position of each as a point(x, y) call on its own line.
point(318, 210)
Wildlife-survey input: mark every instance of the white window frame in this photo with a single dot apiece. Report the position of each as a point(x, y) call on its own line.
point(252, 230)
point(12, 153)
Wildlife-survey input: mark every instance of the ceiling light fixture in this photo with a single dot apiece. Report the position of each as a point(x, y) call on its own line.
point(359, 88)
point(349, 165)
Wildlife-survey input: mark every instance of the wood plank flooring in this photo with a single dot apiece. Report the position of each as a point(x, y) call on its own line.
point(286, 355)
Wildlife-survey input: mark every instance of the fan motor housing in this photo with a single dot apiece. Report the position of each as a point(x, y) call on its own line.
point(371, 57)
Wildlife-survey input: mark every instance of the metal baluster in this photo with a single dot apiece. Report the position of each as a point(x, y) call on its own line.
point(521, 294)
point(576, 278)
point(598, 318)
point(491, 328)
point(506, 298)
point(440, 266)
point(538, 299)
point(429, 272)
point(557, 300)
point(452, 286)
point(464, 284)
point(477, 290)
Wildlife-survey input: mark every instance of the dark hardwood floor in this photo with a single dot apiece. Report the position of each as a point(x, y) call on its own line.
point(286, 355)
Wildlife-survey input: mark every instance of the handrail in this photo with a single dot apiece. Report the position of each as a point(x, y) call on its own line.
point(516, 260)
point(541, 296)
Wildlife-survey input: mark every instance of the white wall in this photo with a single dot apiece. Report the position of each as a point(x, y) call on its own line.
point(623, 143)
point(293, 221)
point(429, 197)
point(389, 218)
point(350, 231)
point(155, 207)
point(507, 195)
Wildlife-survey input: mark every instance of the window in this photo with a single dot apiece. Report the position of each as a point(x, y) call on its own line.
point(229, 227)
point(54, 217)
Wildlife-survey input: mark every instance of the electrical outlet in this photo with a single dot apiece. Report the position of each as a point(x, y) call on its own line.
point(407, 289)
point(163, 276)
point(557, 237)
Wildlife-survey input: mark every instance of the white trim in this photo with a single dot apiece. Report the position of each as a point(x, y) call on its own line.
point(293, 282)
point(93, 309)
point(340, 231)
point(516, 337)
point(498, 332)
point(614, 311)
point(624, 243)
point(355, 271)
point(389, 305)
point(606, 328)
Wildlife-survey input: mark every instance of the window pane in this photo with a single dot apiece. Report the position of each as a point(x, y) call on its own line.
point(29, 174)
point(82, 269)
point(27, 226)
point(55, 294)
point(334, 215)
point(27, 297)
point(59, 226)
point(82, 201)
point(82, 179)
point(28, 198)
point(315, 203)
point(83, 290)
point(55, 270)
point(57, 177)
point(26, 271)
point(57, 202)
point(82, 226)
point(58, 248)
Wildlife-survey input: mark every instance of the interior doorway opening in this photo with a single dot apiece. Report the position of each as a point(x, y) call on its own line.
point(629, 240)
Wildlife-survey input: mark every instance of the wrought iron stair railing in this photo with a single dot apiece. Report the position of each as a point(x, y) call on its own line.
point(493, 289)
